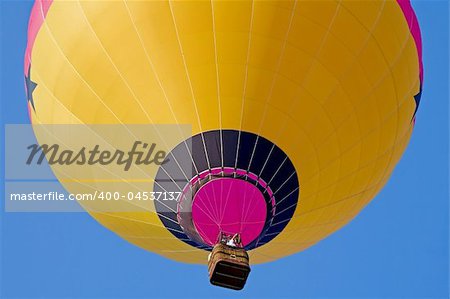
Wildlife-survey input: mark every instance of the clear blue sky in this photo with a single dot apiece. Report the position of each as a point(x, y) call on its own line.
point(397, 247)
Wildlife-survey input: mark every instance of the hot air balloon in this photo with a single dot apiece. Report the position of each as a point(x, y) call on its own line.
point(299, 110)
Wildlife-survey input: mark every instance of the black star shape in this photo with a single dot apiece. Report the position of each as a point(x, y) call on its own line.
point(417, 100)
point(30, 87)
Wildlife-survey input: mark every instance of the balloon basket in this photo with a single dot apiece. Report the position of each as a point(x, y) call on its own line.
point(228, 266)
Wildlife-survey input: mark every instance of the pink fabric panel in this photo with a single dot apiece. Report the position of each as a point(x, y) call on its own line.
point(38, 14)
point(231, 206)
point(413, 24)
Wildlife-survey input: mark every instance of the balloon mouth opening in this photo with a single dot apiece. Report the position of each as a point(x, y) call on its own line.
point(210, 172)
point(226, 200)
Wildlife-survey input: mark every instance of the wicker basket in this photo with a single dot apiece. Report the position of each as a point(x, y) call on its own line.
point(228, 266)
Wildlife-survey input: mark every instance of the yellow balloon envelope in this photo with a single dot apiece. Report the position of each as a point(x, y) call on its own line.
point(299, 110)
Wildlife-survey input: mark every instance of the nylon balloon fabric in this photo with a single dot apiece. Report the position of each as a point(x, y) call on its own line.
point(300, 110)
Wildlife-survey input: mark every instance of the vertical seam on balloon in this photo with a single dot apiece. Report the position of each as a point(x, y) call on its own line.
point(355, 109)
point(396, 111)
point(322, 43)
point(369, 30)
point(332, 93)
point(271, 91)
point(245, 83)
point(399, 104)
point(372, 187)
point(275, 73)
point(52, 37)
point(42, 83)
point(217, 80)
point(191, 89)
point(60, 50)
point(82, 183)
point(152, 67)
point(189, 79)
point(372, 131)
point(137, 100)
point(218, 93)
point(88, 23)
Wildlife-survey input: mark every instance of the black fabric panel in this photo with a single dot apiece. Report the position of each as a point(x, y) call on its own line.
point(273, 163)
point(289, 186)
point(283, 181)
point(172, 166)
point(229, 147)
point(212, 142)
point(183, 155)
point(246, 145)
point(282, 176)
point(261, 155)
point(198, 153)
